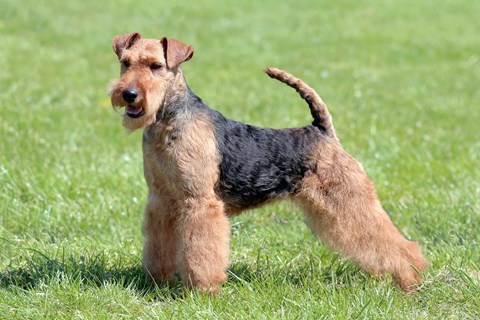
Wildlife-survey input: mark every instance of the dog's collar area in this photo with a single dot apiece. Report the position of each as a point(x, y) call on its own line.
point(158, 116)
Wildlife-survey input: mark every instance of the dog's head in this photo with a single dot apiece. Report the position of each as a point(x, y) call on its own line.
point(149, 71)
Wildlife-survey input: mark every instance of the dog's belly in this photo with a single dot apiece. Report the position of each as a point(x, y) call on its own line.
point(252, 187)
point(260, 164)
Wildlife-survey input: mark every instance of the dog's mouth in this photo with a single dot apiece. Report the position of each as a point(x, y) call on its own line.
point(133, 111)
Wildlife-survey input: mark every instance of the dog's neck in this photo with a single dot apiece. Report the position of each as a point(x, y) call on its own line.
point(180, 99)
point(182, 103)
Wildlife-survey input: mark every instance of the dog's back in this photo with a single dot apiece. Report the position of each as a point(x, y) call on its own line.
point(259, 164)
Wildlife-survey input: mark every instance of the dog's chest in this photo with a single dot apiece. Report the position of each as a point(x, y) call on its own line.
point(181, 158)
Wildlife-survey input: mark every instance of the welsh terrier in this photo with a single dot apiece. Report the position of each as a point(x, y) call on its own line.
point(201, 168)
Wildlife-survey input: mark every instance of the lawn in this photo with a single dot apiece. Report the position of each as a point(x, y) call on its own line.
point(401, 79)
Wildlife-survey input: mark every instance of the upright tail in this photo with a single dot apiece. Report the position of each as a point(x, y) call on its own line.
point(319, 110)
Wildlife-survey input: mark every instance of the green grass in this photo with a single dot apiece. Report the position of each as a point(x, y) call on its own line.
point(401, 80)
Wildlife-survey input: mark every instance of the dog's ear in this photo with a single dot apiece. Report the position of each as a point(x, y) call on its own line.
point(176, 52)
point(124, 41)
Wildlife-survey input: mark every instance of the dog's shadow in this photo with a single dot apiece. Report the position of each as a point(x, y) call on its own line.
point(92, 271)
point(98, 271)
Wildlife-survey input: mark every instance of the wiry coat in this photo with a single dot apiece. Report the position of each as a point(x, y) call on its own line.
point(201, 167)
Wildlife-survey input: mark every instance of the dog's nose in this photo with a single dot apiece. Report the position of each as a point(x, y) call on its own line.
point(129, 95)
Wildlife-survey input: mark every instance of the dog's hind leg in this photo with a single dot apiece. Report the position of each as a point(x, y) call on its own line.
point(342, 208)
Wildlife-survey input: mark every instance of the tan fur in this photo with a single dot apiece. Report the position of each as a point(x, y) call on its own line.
point(342, 208)
point(152, 89)
point(159, 251)
point(186, 227)
point(318, 108)
point(184, 173)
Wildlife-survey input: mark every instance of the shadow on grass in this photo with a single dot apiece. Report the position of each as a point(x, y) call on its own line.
point(94, 271)
point(99, 270)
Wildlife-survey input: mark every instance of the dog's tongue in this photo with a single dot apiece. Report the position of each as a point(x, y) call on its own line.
point(133, 110)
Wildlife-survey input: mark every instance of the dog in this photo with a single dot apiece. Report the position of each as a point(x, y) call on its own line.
point(202, 168)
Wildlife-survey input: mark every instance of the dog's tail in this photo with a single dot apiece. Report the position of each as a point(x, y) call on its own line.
point(321, 117)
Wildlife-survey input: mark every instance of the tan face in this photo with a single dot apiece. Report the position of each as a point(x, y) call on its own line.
point(145, 77)
point(143, 81)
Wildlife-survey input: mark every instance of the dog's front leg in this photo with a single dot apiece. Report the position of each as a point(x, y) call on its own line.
point(160, 240)
point(203, 231)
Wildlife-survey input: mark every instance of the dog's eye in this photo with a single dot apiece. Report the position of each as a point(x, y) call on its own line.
point(155, 66)
point(126, 63)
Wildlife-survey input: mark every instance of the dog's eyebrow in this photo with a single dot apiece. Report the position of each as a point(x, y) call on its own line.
point(153, 59)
